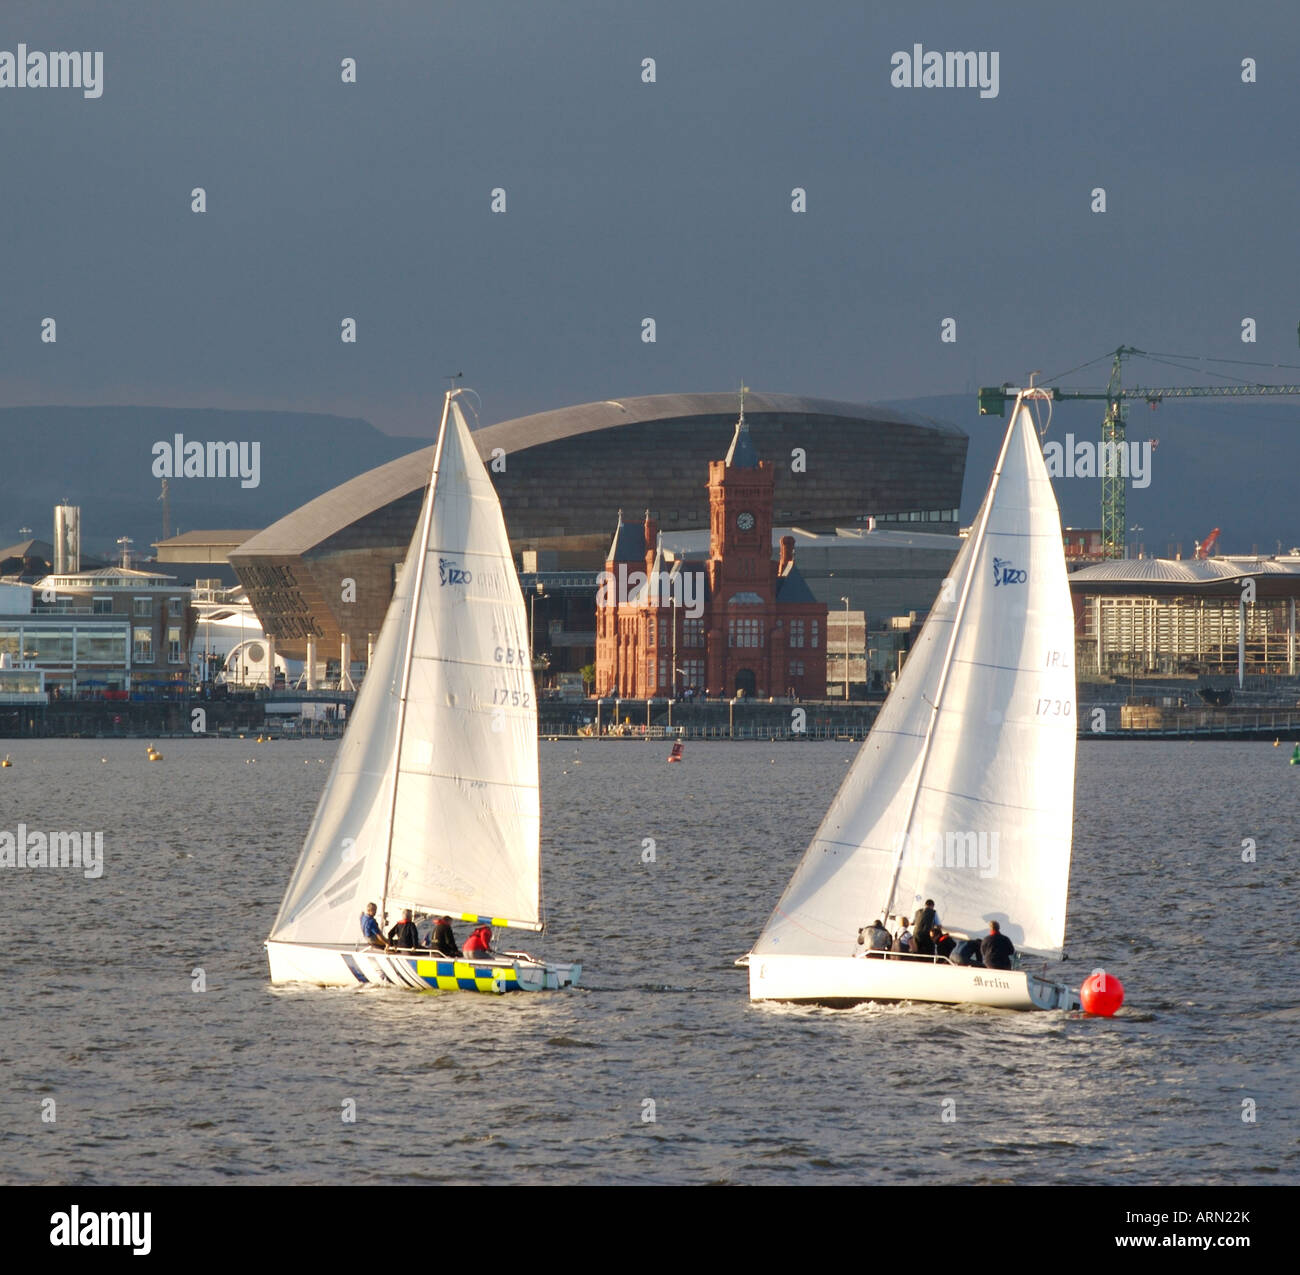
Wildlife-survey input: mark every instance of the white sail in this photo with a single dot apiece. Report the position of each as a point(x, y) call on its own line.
point(467, 820)
point(341, 867)
point(964, 790)
point(435, 804)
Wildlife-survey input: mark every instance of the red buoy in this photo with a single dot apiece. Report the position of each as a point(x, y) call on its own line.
point(1101, 994)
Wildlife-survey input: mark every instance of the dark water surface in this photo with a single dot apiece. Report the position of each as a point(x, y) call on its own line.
point(154, 1082)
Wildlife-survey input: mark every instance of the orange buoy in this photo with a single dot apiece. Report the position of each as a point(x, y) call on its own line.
point(1101, 994)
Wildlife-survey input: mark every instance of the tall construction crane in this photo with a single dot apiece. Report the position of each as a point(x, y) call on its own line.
point(1114, 490)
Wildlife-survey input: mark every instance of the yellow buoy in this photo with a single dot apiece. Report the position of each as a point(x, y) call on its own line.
point(6, 762)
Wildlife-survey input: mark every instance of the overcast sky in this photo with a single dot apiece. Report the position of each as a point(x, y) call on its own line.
point(628, 200)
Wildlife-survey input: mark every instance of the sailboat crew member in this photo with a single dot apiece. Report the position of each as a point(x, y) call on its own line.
point(404, 933)
point(874, 938)
point(444, 938)
point(903, 940)
point(923, 922)
point(996, 949)
point(943, 942)
point(479, 942)
point(370, 930)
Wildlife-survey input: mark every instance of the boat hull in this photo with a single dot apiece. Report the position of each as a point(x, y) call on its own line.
point(848, 980)
point(327, 966)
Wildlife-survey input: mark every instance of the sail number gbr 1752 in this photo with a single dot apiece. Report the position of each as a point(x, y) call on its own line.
point(515, 658)
point(513, 697)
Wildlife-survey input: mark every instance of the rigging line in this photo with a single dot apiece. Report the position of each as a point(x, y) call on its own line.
point(1210, 358)
point(1201, 371)
point(1056, 376)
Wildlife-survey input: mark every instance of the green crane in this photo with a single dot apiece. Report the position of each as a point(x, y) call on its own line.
point(1114, 491)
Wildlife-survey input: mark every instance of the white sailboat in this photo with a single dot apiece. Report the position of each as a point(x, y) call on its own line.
point(433, 802)
point(964, 790)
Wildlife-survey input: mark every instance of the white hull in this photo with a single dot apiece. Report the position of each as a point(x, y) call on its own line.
point(335, 966)
point(848, 980)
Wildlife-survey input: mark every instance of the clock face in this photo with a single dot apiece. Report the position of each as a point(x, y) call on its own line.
point(745, 521)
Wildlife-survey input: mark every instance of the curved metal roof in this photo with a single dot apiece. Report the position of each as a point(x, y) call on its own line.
point(350, 502)
point(1185, 572)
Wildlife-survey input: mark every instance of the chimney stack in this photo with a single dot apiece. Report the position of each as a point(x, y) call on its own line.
point(651, 541)
point(787, 555)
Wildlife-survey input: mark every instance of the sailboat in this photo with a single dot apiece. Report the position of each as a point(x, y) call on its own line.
point(433, 802)
point(963, 792)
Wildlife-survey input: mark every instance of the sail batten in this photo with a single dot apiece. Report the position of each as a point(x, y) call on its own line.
point(963, 791)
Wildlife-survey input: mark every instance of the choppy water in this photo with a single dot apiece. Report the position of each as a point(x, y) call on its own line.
point(156, 1083)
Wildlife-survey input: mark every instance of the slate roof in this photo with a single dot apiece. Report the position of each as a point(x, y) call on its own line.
point(742, 454)
point(629, 542)
point(793, 587)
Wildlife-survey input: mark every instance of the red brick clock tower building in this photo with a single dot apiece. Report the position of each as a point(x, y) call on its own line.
point(755, 629)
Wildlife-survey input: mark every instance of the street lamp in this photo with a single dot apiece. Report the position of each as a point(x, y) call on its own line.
point(538, 591)
point(676, 670)
point(846, 649)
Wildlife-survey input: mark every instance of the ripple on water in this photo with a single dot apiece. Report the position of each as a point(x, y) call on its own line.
point(658, 1069)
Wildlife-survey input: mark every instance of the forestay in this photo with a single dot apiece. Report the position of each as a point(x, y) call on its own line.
point(445, 817)
point(964, 790)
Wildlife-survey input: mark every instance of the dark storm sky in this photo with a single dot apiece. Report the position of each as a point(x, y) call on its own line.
point(626, 200)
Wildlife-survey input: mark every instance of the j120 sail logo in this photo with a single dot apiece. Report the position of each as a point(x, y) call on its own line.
point(450, 573)
point(1005, 573)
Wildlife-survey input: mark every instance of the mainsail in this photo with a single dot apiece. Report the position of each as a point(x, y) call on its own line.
point(964, 790)
point(434, 803)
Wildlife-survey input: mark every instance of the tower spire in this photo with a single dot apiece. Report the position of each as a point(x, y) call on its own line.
point(742, 453)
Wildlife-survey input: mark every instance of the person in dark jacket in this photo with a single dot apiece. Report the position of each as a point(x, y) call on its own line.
point(923, 922)
point(996, 949)
point(444, 938)
point(404, 933)
point(967, 952)
point(943, 942)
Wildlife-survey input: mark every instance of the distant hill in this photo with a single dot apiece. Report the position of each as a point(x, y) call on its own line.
point(101, 458)
point(1219, 463)
point(1229, 463)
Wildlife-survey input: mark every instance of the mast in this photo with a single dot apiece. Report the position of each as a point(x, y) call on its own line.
point(946, 667)
point(408, 656)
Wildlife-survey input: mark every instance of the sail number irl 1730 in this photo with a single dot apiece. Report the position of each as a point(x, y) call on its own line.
point(1055, 707)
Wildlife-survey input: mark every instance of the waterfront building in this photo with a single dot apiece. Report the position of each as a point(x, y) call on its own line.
point(1151, 617)
point(735, 623)
point(109, 631)
point(326, 570)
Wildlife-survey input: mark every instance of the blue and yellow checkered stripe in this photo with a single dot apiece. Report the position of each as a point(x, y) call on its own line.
point(451, 976)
